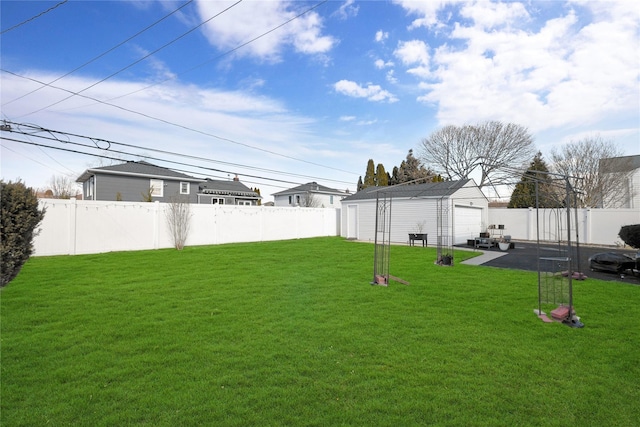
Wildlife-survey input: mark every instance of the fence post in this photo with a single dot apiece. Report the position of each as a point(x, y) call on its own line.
point(72, 226)
point(156, 224)
point(587, 225)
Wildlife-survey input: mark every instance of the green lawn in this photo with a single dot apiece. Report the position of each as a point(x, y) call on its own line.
point(292, 333)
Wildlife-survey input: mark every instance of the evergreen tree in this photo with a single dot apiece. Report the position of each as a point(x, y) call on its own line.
point(524, 194)
point(360, 186)
point(370, 176)
point(18, 221)
point(412, 169)
point(394, 177)
point(381, 176)
point(257, 190)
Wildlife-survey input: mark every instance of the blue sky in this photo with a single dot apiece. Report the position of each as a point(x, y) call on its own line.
point(314, 99)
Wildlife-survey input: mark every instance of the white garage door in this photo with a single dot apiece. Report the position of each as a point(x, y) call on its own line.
point(467, 223)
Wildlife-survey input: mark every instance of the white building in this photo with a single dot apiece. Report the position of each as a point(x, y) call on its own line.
point(629, 194)
point(310, 195)
point(415, 209)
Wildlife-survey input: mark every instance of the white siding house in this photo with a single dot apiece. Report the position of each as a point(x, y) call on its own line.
point(628, 196)
point(310, 195)
point(415, 209)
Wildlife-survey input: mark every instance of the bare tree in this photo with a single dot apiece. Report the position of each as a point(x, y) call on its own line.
point(309, 200)
point(179, 220)
point(601, 174)
point(493, 147)
point(62, 187)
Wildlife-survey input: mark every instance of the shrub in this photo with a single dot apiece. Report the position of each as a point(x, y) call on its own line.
point(18, 219)
point(630, 235)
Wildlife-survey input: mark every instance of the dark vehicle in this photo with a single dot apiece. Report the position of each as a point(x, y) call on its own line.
point(613, 262)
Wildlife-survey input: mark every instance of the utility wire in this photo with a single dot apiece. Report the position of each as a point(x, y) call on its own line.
point(264, 150)
point(34, 17)
point(103, 53)
point(107, 146)
point(137, 61)
point(138, 156)
point(240, 46)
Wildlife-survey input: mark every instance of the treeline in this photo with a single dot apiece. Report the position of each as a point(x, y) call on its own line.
point(411, 170)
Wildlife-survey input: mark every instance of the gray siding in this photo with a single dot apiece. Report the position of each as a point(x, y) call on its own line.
point(133, 189)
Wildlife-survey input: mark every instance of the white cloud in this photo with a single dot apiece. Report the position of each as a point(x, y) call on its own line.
point(414, 53)
point(371, 92)
point(488, 15)
point(380, 64)
point(258, 121)
point(426, 10)
point(250, 19)
point(347, 118)
point(347, 10)
point(381, 36)
point(391, 78)
point(567, 72)
point(367, 122)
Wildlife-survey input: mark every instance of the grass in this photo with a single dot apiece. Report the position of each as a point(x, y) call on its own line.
point(291, 333)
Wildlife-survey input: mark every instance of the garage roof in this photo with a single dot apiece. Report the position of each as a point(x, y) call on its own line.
point(430, 189)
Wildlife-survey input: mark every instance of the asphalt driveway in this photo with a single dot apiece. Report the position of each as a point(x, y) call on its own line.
point(524, 256)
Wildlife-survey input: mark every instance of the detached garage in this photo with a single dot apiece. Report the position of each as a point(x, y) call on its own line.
point(415, 209)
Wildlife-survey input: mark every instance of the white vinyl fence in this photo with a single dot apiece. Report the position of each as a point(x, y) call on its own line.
point(595, 226)
point(85, 227)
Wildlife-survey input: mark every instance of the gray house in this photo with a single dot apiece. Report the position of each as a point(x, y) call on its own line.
point(227, 193)
point(136, 181)
point(310, 195)
point(415, 209)
point(141, 181)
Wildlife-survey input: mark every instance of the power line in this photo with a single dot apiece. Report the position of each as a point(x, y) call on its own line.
point(178, 125)
point(138, 156)
point(103, 53)
point(97, 141)
point(34, 17)
point(240, 46)
point(137, 61)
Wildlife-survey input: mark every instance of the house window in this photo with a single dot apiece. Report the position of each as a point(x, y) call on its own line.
point(156, 187)
point(184, 188)
point(216, 201)
point(297, 200)
point(290, 199)
point(331, 199)
point(244, 203)
point(90, 188)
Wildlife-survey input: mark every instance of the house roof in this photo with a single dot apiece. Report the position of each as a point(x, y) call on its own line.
point(227, 188)
point(138, 169)
point(430, 189)
point(310, 187)
point(620, 164)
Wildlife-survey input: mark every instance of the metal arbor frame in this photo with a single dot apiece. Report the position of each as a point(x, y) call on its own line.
point(382, 239)
point(555, 279)
point(382, 244)
point(444, 248)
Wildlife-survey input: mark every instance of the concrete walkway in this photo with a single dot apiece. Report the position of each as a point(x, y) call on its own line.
point(484, 257)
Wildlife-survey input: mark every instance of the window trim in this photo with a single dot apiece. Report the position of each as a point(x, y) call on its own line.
point(188, 191)
point(159, 183)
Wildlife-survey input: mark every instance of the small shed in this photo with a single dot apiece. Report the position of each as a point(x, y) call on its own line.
point(415, 209)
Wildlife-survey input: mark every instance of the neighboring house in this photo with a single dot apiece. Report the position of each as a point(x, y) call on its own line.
point(628, 195)
point(311, 195)
point(415, 209)
point(139, 181)
point(225, 192)
point(136, 181)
